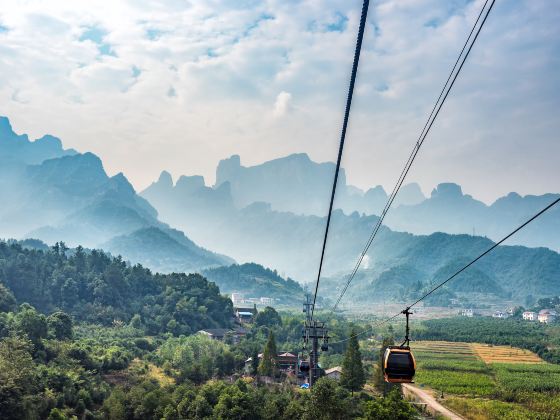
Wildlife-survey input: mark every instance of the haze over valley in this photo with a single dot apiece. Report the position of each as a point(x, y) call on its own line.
point(273, 214)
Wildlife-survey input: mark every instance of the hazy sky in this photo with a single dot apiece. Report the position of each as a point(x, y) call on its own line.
point(178, 85)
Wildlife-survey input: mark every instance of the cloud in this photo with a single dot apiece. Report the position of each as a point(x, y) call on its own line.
point(282, 104)
point(177, 85)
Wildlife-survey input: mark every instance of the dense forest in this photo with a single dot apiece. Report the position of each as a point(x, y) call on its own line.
point(87, 336)
point(93, 287)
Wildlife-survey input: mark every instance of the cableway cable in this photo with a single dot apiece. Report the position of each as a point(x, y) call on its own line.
point(456, 70)
point(342, 139)
point(537, 215)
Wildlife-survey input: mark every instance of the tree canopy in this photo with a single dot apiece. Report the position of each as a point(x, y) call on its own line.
point(353, 377)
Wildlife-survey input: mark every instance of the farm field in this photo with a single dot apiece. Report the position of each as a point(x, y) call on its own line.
point(489, 382)
point(505, 354)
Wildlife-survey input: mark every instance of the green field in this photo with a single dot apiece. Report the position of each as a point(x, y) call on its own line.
point(479, 390)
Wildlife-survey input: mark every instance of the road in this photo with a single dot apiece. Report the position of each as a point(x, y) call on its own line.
point(433, 405)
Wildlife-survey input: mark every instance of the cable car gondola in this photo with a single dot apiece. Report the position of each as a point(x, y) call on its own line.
point(399, 365)
point(304, 366)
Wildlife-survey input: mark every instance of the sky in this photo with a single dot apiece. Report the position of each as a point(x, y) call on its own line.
point(178, 85)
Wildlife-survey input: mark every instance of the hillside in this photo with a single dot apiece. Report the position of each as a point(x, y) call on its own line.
point(291, 243)
point(97, 288)
point(163, 251)
point(253, 280)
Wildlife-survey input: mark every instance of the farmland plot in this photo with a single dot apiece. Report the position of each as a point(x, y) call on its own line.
point(495, 382)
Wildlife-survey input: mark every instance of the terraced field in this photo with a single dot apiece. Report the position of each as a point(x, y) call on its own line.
point(474, 351)
point(505, 354)
point(489, 382)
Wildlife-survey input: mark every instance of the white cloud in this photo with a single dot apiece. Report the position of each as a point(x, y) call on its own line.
point(207, 73)
point(282, 104)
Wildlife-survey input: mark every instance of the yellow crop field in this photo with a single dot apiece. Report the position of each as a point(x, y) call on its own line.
point(486, 352)
point(505, 354)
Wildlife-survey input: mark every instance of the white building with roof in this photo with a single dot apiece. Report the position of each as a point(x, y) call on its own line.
point(469, 313)
point(546, 316)
point(529, 316)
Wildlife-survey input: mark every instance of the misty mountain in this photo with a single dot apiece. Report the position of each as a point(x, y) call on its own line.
point(18, 149)
point(449, 210)
point(297, 184)
point(67, 196)
point(402, 261)
point(291, 243)
point(190, 199)
point(164, 251)
point(398, 261)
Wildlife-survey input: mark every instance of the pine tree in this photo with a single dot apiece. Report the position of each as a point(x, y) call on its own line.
point(255, 362)
point(353, 377)
point(268, 365)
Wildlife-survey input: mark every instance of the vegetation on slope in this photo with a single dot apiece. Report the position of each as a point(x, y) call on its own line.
point(94, 287)
point(254, 280)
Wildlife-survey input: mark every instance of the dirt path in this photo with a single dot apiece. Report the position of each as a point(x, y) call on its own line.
point(433, 406)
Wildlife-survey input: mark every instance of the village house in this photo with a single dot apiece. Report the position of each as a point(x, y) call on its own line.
point(245, 315)
point(500, 315)
point(529, 316)
point(287, 362)
point(334, 373)
point(469, 313)
point(547, 316)
point(215, 333)
point(220, 334)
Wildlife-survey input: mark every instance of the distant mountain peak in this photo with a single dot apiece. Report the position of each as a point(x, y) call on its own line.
point(17, 148)
point(189, 184)
point(49, 140)
point(6, 130)
point(122, 183)
point(300, 157)
point(165, 179)
point(447, 190)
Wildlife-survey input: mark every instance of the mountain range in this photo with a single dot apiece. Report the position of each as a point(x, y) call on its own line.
point(277, 227)
point(54, 195)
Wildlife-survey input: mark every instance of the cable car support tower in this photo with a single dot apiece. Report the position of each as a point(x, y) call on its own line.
point(312, 332)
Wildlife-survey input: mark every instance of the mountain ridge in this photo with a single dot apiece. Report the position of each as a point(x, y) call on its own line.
point(67, 196)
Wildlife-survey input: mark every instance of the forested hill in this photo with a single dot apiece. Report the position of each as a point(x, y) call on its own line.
point(96, 288)
point(254, 280)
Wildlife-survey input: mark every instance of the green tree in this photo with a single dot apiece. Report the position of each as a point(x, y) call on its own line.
point(255, 361)
point(31, 323)
point(136, 321)
point(327, 401)
point(115, 405)
point(7, 300)
point(391, 407)
point(268, 365)
point(17, 376)
point(353, 377)
point(268, 317)
point(60, 325)
point(56, 414)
